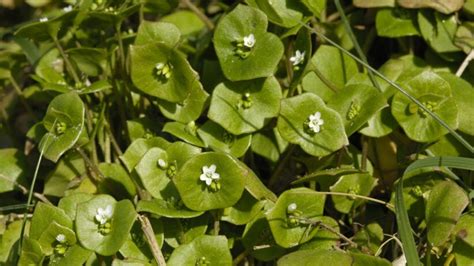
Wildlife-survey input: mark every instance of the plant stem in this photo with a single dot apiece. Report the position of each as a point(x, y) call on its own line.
point(280, 166)
point(326, 227)
point(386, 204)
point(209, 24)
point(396, 86)
point(71, 68)
point(240, 257)
point(349, 31)
point(150, 237)
point(98, 174)
point(465, 63)
point(22, 97)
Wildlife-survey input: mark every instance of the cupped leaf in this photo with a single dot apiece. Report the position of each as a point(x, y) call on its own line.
point(265, 53)
point(268, 144)
point(356, 104)
point(186, 21)
point(43, 216)
point(50, 68)
point(138, 148)
point(224, 191)
point(281, 12)
point(87, 226)
point(396, 22)
point(116, 182)
point(189, 109)
point(435, 93)
point(69, 203)
point(244, 210)
point(204, 250)
point(147, 76)
point(295, 117)
point(332, 70)
point(443, 209)
point(245, 106)
point(292, 218)
point(46, 28)
point(150, 32)
point(186, 132)
point(438, 30)
point(218, 139)
point(64, 121)
point(360, 184)
point(13, 169)
point(320, 257)
point(48, 238)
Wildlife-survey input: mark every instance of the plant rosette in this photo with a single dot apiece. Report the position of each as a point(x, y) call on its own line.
point(292, 217)
point(244, 47)
point(435, 94)
point(103, 224)
point(211, 180)
point(305, 120)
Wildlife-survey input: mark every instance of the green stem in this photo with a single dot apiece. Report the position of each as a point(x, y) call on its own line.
point(398, 87)
point(69, 66)
point(209, 24)
point(349, 31)
point(281, 166)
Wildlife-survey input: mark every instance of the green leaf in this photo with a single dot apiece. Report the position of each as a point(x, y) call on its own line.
point(465, 37)
point(373, 3)
point(149, 32)
point(48, 241)
point(136, 246)
point(74, 255)
point(70, 167)
point(438, 30)
point(91, 61)
point(31, 253)
point(369, 238)
point(186, 21)
point(443, 209)
point(264, 55)
point(315, 6)
point(50, 67)
point(69, 203)
point(291, 227)
point(197, 195)
point(332, 71)
point(360, 184)
point(321, 257)
point(13, 169)
point(87, 227)
point(43, 216)
point(186, 132)
point(243, 211)
point(184, 231)
point(435, 93)
point(268, 144)
point(218, 139)
point(357, 104)
point(360, 259)
point(324, 239)
point(117, 182)
point(464, 246)
point(64, 121)
point(172, 208)
point(145, 76)
point(281, 12)
point(447, 6)
point(245, 106)
point(296, 111)
point(9, 237)
point(51, 28)
point(190, 109)
point(332, 173)
point(211, 250)
point(396, 22)
point(138, 148)
point(143, 127)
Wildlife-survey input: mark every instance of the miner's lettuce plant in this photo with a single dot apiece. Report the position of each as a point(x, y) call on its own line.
point(219, 133)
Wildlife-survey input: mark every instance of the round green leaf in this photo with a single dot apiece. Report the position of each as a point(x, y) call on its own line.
point(360, 259)
point(87, 227)
point(245, 106)
point(14, 169)
point(218, 139)
point(138, 148)
point(281, 12)
point(320, 257)
point(69, 203)
point(291, 228)
point(334, 69)
point(264, 55)
point(43, 216)
point(197, 195)
point(64, 121)
point(360, 184)
point(186, 21)
point(189, 109)
point(211, 250)
point(434, 92)
point(294, 114)
point(149, 32)
point(396, 22)
point(356, 104)
point(48, 240)
point(186, 132)
point(144, 72)
point(244, 210)
point(443, 209)
point(438, 30)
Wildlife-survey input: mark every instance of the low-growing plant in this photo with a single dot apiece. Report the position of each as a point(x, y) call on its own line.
point(221, 132)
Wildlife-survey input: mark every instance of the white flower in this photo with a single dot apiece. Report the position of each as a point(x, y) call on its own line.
point(61, 238)
point(103, 215)
point(209, 174)
point(43, 19)
point(298, 58)
point(315, 122)
point(249, 41)
point(291, 207)
point(162, 163)
point(160, 66)
point(67, 9)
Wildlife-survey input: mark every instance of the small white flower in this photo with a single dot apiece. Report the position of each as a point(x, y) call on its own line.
point(162, 163)
point(61, 238)
point(298, 58)
point(44, 19)
point(291, 207)
point(315, 122)
point(160, 66)
point(67, 9)
point(103, 215)
point(209, 174)
point(249, 41)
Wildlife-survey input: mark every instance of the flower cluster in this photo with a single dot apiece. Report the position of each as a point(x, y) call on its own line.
point(103, 217)
point(210, 177)
point(61, 245)
point(354, 110)
point(60, 128)
point(245, 102)
point(163, 70)
point(293, 214)
point(313, 123)
point(245, 46)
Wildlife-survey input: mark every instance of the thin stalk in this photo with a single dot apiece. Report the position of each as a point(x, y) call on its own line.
point(326, 227)
point(396, 86)
point(240, 257)
point(209, 24)
point(386, 204)
point(150, 237)
point(98, 174)
point(349, 31)
point(281, 166)
point(465, 63)
point(71, 68)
